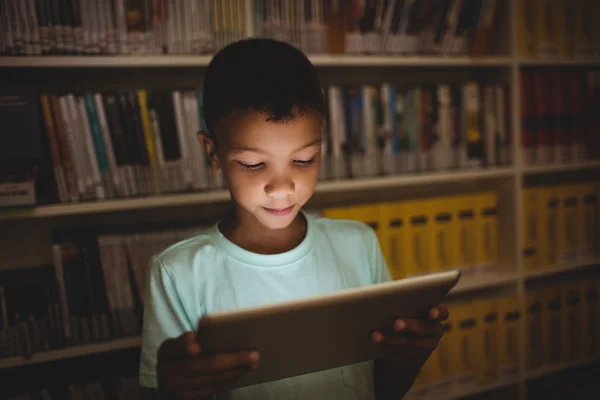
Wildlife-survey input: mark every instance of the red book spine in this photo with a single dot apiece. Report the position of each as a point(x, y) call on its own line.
point(592, 114)
point(577, 142)
point(528, 120)
point(542, 116)
point(559, 122)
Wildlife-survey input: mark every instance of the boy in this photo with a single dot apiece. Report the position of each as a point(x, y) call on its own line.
point(264, 110)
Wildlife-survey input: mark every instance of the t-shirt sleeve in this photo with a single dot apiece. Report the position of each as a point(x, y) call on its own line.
point(164, 318)
point(379, 269)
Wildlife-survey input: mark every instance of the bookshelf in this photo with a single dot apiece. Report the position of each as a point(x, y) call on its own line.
point(28, 230)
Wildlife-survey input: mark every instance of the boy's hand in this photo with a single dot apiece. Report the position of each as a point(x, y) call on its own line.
point(185, 373)
point(414, 336)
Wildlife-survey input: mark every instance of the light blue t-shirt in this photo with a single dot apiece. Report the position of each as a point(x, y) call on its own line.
point(209, 274)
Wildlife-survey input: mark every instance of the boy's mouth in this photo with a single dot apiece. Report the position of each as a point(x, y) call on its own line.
point(279, 212)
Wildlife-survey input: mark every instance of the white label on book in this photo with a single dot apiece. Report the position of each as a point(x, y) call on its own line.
point(17, 194)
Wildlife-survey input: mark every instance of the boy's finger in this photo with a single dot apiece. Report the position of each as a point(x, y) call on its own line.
point(407, 343)
point(181, 347)
point(439, 313)
point(414, 327)
point(226, 361)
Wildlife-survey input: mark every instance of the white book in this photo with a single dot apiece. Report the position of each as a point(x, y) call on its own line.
point(33, 28)
point(171, 28)
point(84, 137)
point(186, 167)
point(121, 27)
point(192, 126)
point(110, 30)
point(101, 19)
point(83, 177)
point(14, 21)
point(86, 31)
point(338, 131)
point(388, 105)
point(23, 18)
point(443, 147)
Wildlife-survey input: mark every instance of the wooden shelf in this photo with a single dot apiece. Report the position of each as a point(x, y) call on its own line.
point(320, 60)
point(70, 352)
point(176, 200)
point(553, 369)
point(559, 269)
point(565, 166)
point(583, 62)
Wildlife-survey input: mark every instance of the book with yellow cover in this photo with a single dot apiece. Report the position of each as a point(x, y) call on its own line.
point(568, 223)
point(552, 324)
point(467, 347)
point(549, 226)
point(466, 209)
point(487, 360)
point(530, 225)
point(393, 235)
point(572, 321)
point(526, 17)
point(508, 337)
point(591, 316)
point(589, 220)
point(442, 237)
point(417, 246)
point(534, 331)
point(487, 230)
point(545, 28)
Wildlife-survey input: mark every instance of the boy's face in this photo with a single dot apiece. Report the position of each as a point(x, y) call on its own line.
point(271, 167)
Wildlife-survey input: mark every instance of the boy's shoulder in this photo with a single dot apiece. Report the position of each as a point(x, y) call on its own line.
point(184, 251)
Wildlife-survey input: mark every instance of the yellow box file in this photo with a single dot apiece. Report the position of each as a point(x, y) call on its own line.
point(534, 331)
point(416, 247)
point(442, 239)
point(508, 338)
point(589, 220)
point(393, 236)
point(552, 325)
point(368, 214)
point(572, 321)
point(467, 344)
point(591, 316)
point(487, 354)
point(549, 227)
point(568, 223)
point(466, 209)
point(448, 341)
point(487, 230)
point(530, 226)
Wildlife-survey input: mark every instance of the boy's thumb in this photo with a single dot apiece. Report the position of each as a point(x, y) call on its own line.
point(180, 347)
point(189, 343)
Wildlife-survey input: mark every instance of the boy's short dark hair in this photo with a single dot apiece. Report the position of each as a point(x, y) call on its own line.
point(260, 75)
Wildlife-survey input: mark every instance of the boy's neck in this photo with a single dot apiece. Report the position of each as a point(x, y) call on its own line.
point(242, 229)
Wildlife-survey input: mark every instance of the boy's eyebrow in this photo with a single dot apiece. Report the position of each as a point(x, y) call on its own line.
point(256, 150)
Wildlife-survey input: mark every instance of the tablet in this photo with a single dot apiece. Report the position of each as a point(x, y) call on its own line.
point(321, 332)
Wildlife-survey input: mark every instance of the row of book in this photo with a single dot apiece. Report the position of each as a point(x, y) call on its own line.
point(106, 145)
point(562, 322)
point(93, 291)
point(557, 28)
point(419, 236)
point(118, 388)
point(559, 118)
point(448, 27)
point(560, 225)
point(201, 27)
point(580, 382)
point(480, 345)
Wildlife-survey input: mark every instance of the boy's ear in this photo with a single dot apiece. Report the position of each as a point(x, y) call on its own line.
point(210, 149)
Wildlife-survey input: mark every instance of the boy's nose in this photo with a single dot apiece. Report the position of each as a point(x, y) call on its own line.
point(280, 188)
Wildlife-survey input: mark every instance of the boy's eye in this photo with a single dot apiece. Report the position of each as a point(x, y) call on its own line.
point(250, 166)
point(305, 162)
